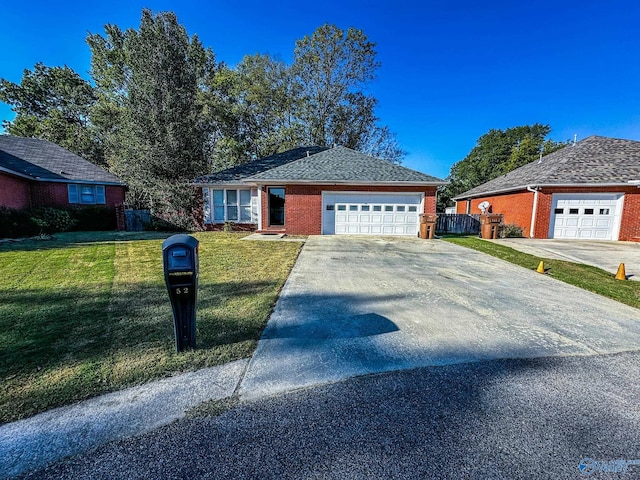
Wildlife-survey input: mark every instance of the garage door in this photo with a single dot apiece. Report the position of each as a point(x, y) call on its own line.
point(371, 214)
point(586, 216)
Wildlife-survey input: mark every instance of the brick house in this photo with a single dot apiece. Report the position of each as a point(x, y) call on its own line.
point(316, 190)
point(38, 173)
point(588, 190)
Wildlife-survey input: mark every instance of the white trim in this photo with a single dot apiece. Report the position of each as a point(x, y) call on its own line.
point(212, 205)
point(260, 197)
point(274, 183)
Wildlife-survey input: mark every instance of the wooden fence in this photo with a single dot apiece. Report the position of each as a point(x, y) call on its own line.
point(464, 224)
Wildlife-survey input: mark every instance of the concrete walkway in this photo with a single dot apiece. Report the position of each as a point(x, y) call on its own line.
point(34, 442)
point(605, 255)
point(359, 305)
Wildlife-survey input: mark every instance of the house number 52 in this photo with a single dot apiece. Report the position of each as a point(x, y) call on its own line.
point(182, 290)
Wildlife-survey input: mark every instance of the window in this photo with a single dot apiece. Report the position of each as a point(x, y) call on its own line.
point(413, 208)
point(588, 211)
point(559, 211)
point(377, 208)
point(573, 211)
point(400, 208)
point(87, 194)
point(330, 208)
point(388, 208)
point(342, 208)
point(364, 208)
point(353, 208)
point(604, 211)
point(227, 205)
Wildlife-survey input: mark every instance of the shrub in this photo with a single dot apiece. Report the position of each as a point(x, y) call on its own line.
point(17, 223)
point(511, 230)
point(94, 218)
point(52, 220)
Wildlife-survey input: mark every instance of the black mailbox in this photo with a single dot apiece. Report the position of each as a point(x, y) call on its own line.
point(180, 258)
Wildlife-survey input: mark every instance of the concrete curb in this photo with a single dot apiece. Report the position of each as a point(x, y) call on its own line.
point(32, 443)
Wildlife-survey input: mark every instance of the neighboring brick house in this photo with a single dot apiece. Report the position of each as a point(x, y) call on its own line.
point(316, 190)
point(588, 190)
point(38, 173)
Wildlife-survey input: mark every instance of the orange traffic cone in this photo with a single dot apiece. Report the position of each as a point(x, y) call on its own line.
point(540, 268)
point(621, 275)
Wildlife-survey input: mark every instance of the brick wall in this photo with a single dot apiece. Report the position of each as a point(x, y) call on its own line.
point(517, 207)
point(56, 195)
point(14, 192)
point(303, 204)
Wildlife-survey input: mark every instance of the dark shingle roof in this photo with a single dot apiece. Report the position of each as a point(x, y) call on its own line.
point(592, 161)
point(240, 172)
point(343, 165)
point(45, 161)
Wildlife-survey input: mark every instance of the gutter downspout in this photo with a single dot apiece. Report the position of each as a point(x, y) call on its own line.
point(533, 211)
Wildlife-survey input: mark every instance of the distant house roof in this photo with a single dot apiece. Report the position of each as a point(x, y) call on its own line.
point(593, 161)
point(322, 165)
point(41, 160)
point(237, 174)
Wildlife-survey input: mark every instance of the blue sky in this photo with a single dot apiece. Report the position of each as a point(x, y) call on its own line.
point(451, 70)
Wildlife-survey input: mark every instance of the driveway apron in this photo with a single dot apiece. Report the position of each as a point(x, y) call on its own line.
point(358, 305)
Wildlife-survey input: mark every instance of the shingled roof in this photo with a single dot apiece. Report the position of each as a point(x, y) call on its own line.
point(41, 160)
point(593, 161)
point(343, 165)
point(320, 165)
point(237, 174)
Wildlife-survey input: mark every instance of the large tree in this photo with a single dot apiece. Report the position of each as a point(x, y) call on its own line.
point(53, 103)
point(332, 69)
point(149, 111)
point(497, 152)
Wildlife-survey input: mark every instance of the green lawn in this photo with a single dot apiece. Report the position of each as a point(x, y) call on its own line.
point(88, 313)
point(583, 276)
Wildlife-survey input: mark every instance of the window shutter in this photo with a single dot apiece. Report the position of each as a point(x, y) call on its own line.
point(100, 196)
point(206, 210)
point(73, 193)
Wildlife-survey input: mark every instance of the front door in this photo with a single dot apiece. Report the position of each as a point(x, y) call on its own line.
point(276, 206)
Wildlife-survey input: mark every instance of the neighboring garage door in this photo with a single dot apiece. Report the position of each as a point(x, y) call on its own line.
point(586, 216)
point(371, 213)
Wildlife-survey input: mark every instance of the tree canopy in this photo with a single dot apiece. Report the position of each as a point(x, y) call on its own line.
point(53, 103)
point(497, 152)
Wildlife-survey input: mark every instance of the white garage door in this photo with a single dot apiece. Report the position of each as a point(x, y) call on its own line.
point(586, 216)
point(371, 213)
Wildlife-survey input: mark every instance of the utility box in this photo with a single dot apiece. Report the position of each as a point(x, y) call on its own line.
point(180, 259)
point(428, 226)
point(490, 225)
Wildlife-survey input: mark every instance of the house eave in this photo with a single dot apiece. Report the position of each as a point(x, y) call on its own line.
point(258, 181)
point(60, 180)
point(541, 185)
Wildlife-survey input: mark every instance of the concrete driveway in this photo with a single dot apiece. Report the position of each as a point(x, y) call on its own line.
point(357, 305)
point(605, 255)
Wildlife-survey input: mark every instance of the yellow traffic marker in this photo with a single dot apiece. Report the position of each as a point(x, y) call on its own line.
point(540, 268)
point(621, 275)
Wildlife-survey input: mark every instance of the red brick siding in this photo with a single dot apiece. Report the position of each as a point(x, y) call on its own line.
point(517, 207)
point(303, 204)
point(56, 195)
point(14, 192)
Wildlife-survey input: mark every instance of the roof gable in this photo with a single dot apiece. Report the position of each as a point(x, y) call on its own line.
point(42, 160)
point(319, 165)
point(238, 173)
point(592, 161)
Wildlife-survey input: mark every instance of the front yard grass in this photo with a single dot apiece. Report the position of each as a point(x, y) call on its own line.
point(88, 313)
point(584, 276)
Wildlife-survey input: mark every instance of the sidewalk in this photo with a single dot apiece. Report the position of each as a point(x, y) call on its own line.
point(34, 442)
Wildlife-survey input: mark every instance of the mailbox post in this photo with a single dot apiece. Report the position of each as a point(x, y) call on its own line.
point(180, 259)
